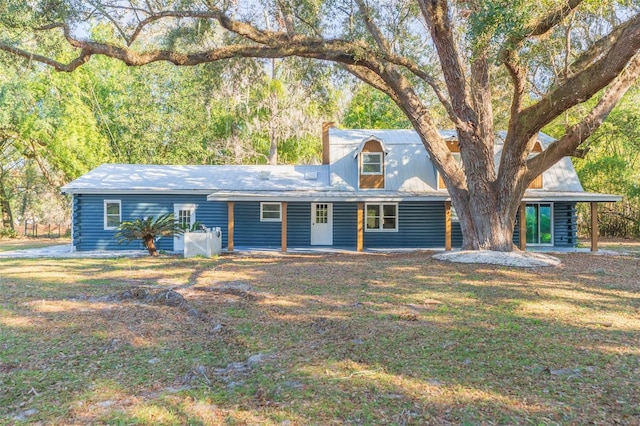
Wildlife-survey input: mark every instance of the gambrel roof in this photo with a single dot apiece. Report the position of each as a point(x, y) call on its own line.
point(409, 174)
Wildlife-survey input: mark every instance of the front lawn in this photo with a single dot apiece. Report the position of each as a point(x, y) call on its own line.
point(317, 340)
point(11, 244)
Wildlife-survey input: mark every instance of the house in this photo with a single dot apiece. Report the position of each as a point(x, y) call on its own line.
point(374, 189)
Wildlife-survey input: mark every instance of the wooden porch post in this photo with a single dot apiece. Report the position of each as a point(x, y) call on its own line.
point(284, 226)
point(594, 226)
point(360, 230)
point(230, 224)
point(523, 226)
point(447, 225)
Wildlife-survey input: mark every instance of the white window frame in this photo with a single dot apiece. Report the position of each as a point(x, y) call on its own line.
point(380, 163)
point(381, 227)
point(270, 219)
point(119, 203)
point(538, 221)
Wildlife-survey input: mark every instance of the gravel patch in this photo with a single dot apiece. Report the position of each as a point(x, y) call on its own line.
point(517, 259)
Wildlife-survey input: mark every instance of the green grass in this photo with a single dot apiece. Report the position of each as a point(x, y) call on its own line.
point(346, 339)
point(10, 244)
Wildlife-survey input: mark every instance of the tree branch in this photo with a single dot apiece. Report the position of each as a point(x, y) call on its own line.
point(373, 29)
point(436, 15)
point(578, 133)
point(538, 28)
point(586, 83)
point(599, 48)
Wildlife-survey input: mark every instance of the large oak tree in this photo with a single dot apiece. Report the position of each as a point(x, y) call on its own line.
point(544, 58)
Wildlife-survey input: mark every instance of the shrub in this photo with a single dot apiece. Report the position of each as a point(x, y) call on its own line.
point(148, 230)
point(8, 233)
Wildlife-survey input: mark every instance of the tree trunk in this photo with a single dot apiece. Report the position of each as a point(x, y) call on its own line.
point(487, 223)
point(5, 207)
point(273, 151)
point(150, 244)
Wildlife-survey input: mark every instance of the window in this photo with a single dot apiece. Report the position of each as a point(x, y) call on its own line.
point(381, 217)
point(112, 214)
point(539, 224)
point(184, 219)
point(322, 213)
point(454, 215)
point(270, 212)
point(371, 163)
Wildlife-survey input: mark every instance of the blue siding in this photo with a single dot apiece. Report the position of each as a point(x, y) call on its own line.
point(298, 225)
point(345, 225)
point(565, 226)
point(88, 211)
point(250, 232)
point(420, 225)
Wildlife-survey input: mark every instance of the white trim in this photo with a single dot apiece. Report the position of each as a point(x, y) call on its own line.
point(364, 141)
point(178, 239)
point(381, 217)
point(263, 219)
point(380, 155)
point(553, 237)
point(129, 191)
point(104, 212)
point(321, 233)
point(188, 206)
point(73, 225)
point(329, 196)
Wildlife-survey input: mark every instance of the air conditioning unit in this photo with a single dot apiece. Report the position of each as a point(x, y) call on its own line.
point(203, 243)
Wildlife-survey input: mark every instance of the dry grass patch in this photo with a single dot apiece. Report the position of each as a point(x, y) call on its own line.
point(319, 339)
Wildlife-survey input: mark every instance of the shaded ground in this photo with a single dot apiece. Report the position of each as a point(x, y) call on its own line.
point(319, 339)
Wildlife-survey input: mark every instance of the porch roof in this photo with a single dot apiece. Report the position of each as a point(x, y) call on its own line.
point(326, 196)
point(395, 196)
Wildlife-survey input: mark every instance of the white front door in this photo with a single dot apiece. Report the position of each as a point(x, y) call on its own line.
point(321, 224)
point(185, 215)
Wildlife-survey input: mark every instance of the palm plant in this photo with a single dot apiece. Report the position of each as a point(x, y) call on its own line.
point(148, 229)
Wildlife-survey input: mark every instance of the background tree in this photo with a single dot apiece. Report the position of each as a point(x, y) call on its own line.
point(613, 166)
point(413, 51)
point(372, 109)
point(57, 126)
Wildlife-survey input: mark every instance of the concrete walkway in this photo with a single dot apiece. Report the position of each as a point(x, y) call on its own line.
point(64, 250)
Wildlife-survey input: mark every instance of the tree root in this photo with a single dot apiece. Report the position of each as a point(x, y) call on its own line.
point(163, 297)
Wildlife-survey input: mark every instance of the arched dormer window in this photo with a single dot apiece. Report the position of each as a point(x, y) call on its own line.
point(371, 163)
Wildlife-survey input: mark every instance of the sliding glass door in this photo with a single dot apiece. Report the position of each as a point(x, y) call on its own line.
point(540, 224)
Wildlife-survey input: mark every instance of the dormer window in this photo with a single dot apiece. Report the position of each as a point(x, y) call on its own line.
point(371, 163)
